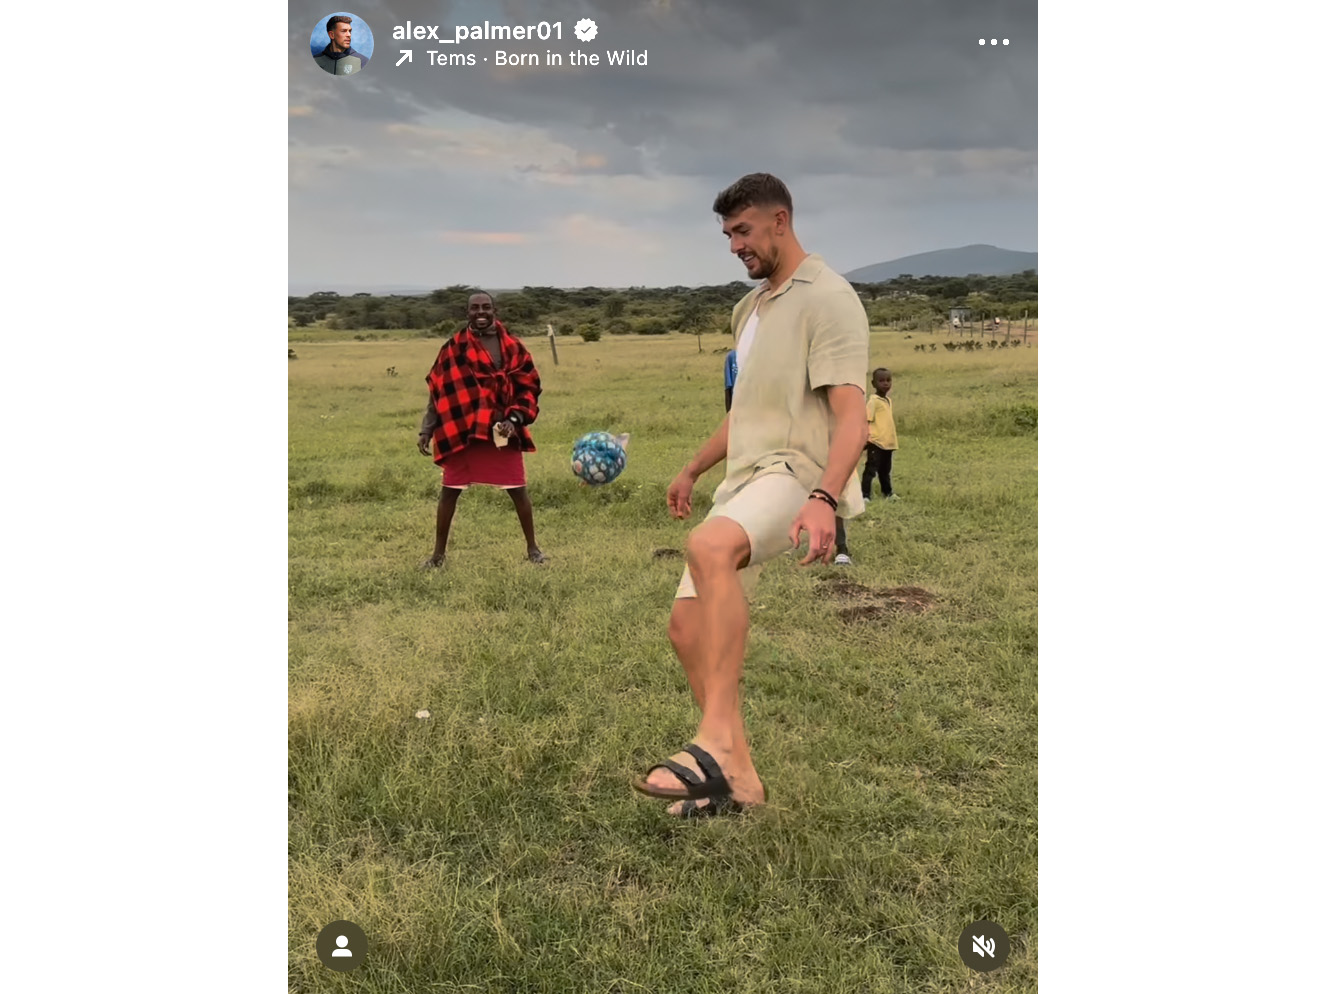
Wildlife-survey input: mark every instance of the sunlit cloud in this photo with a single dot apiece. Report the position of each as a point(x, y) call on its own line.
point(483, 238)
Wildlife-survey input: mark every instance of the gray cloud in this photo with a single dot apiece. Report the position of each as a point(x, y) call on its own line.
point(896, 131)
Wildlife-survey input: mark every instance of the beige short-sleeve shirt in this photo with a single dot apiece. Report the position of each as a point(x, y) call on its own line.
point(813, 334)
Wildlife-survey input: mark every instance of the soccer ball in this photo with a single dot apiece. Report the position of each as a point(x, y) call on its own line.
point(599, 457)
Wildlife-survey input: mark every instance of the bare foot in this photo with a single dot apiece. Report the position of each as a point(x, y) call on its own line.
point(434, 562)
point(745, 782)
point(535, 556)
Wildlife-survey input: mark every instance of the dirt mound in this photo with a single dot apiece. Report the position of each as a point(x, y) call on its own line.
point(841, 587)
point(870, 604)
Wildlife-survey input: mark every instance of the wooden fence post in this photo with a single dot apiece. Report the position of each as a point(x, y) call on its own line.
point(552, 340)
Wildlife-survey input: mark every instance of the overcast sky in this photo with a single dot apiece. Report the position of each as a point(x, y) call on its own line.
point(895, 130)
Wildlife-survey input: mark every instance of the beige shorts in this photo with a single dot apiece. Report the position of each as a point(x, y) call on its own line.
point(765, 508)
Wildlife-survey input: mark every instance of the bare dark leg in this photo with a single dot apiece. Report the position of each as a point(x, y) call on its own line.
point(525, 512)
point(446, 509)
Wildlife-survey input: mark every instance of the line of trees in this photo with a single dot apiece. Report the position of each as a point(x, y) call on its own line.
point(906, 300)
point(1002, 289)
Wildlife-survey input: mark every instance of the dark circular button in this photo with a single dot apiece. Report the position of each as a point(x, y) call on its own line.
point(983, 946)
point(342, 946)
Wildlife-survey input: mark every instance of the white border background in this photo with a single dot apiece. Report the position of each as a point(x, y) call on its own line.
point(145, 626)
point(1179, 233)
point(144, 720)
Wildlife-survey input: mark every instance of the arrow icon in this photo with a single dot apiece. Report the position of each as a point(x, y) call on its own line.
point(406, 56)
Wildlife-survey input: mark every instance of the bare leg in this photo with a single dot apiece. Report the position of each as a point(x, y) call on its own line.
point(684, 633)
point(709, 634)
point(724, 621)
point(446, 509)
point(525, 512)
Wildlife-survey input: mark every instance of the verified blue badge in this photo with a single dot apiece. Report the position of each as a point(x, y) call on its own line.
point(341, 43)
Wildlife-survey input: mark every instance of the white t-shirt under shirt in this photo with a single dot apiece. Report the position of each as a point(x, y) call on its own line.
point(747, 336)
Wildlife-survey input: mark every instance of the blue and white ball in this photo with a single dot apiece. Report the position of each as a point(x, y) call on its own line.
point(599, 457)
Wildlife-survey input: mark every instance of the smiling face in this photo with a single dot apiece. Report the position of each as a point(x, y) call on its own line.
point(755, 235)
point(482, 313)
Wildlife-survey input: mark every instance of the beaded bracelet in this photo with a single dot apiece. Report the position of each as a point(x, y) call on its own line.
point(824, 496)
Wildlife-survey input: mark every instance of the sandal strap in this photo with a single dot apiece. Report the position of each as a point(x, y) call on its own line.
point(690, 809)
point(712, 770)
point(720, 805)
point(682, 773)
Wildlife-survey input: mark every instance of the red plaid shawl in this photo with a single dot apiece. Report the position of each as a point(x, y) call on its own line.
point(470, 394)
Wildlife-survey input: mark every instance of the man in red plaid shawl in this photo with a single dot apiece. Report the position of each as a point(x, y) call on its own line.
point(483, 393)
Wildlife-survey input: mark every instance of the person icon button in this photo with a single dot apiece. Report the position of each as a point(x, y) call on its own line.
point(342, 946)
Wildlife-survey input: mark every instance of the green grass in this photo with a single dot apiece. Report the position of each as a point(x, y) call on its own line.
point(497, 847)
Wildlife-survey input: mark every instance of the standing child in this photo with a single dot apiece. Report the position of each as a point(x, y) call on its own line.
point(883, 440)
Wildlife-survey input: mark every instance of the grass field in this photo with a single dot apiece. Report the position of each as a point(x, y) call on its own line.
point(496, 846)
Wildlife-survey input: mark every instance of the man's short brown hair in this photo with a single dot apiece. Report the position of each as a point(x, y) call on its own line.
point(753, 190)
point(338, 19)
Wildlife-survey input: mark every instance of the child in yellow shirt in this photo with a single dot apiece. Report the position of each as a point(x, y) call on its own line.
point(883, 439)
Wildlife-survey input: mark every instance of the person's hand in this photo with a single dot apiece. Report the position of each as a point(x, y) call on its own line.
point(816, 519)
point(679, 495)
point(505, 428)
point(426, 444)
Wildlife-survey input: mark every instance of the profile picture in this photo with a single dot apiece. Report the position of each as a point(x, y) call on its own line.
point(341, 44)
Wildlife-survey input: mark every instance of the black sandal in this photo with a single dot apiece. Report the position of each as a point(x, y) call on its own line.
point(714, 783)
point(717, 806)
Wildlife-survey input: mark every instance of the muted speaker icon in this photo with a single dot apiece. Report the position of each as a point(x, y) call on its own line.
point(983, 946)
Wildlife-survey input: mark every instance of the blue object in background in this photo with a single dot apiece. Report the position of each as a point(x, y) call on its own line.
point(361, 35)
point(730, 370)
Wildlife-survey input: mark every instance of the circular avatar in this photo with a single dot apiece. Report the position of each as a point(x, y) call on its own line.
point(341, 44)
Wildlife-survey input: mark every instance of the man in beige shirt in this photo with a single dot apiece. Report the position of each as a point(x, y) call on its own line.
point(791, 443)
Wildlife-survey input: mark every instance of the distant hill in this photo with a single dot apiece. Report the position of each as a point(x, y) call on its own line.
point(981, 260)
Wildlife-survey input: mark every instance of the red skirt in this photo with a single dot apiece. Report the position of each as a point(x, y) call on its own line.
point(483, 462)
